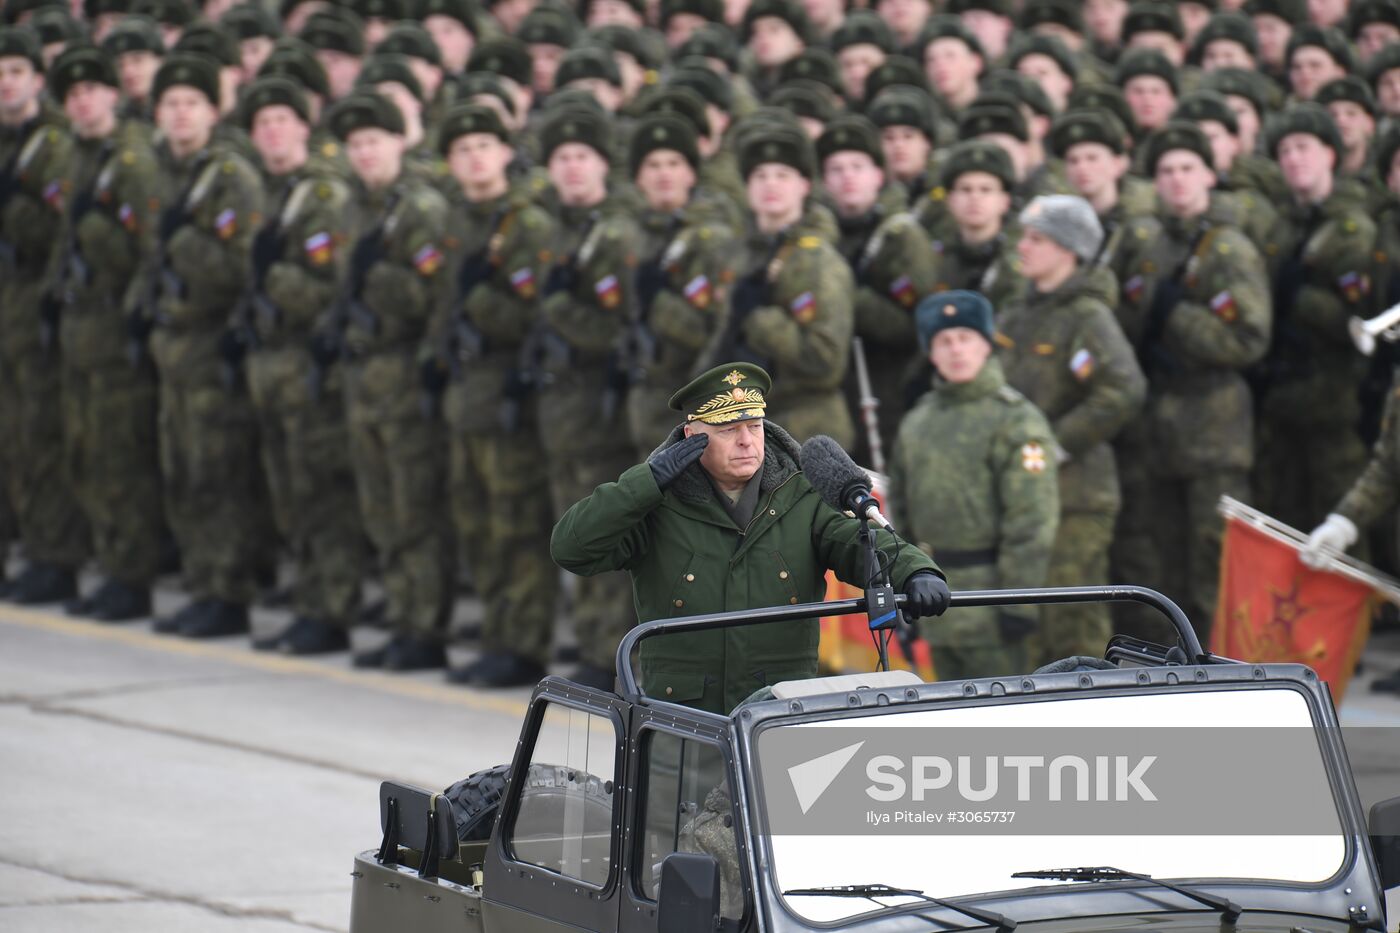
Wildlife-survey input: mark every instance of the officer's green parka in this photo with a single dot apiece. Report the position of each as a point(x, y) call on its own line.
point(687, 557)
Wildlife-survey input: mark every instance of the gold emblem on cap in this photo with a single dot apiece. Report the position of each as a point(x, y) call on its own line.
point(949, 310)
point(735, 377)
point(738, 395)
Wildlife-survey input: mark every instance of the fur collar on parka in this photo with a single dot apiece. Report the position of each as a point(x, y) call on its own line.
point(780, 460)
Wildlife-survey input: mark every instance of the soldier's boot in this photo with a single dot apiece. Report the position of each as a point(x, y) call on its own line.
point(43, 582)
point(79, 606)
point(169, 625)
point(1390, 683)
point(312, 636)
point(591, 675)
point(371, 658)
point(413, 653)
point(498, 669)
point(116, 601)
point(218, 618)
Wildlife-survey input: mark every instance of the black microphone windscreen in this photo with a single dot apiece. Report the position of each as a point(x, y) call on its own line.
point(830, 470)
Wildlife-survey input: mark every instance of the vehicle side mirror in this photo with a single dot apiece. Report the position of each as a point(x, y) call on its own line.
point(689, 897)
point(1384, 825)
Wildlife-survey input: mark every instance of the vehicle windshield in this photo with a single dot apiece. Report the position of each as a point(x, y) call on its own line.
point(1187, 785)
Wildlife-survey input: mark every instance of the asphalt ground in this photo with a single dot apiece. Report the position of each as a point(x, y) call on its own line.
point(152, 783)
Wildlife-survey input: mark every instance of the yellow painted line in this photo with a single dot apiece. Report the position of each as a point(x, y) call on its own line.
point(140, 637)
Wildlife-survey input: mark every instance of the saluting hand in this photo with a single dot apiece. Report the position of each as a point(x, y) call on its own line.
point(671, 462)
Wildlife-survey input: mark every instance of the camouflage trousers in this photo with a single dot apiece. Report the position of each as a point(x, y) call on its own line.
point(112, 453)
point(603, 609)
point(1178, 521)
point(214, 493)
point(1301, 474)
point(305, 448)
point(47, 516)
point(502, 521)
point(397, 457)
point(1079, 558)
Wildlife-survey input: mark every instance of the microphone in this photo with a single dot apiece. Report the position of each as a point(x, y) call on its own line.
point(840, 483)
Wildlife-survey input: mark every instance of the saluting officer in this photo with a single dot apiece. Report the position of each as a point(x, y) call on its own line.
point(721, 518)
point(109, 405)
point(499, 250)
point(1063, 348)
point(974, 482)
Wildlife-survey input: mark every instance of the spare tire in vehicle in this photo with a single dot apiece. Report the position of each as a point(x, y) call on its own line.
point(475, 800)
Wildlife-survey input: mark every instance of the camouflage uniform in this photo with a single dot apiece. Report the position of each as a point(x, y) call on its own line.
point(1065, 351)
point(305, 444)
point(109, 404)
point(1198, 303)
point(1309, 446)
point(496, 464)
point(974, 483)
point(688, 255)
point(1377, 489)
point(208, 434)
point(798, 323)
point(583, 320)
point(36, 158)
point(398, 234)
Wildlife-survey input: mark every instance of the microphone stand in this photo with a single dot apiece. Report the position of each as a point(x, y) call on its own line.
point(880, 606)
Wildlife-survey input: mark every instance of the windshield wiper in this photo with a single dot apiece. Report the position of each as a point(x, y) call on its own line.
point(872, 891)
point(1229, 910)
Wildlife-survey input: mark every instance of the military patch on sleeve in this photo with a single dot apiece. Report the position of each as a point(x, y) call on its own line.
point(226, 224)
point(427, 259)
point(698, 291)
point(1082, 364)
point(319, 248)
point(1355, 286)
point(1133, 288)
point(902, 291)
point(127, 218)
point(609, 291)
point(1033, 457)
point(1223, 306)
point(804, 307)
point(523, 281)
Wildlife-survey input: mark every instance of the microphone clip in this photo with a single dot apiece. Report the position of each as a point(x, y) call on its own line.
point(880, 607)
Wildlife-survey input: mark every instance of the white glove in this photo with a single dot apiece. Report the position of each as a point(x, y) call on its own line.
point(1336, 534)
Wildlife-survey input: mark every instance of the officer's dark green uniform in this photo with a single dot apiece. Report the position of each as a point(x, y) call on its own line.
point(683, 275)
point(394, 280)
point(1197, 308)
point(1309, 447)
point(690, 553)
point(109, 404)
point(499, 252)
point(797, 312)
point(974, 482)
point(298, 256)
point(888, 253)
point(1067, 353)
point(34, 160)
point(587, 296)
point(214, 492)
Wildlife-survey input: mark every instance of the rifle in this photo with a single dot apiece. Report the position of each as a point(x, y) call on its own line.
point(329, 344)
point(465, 341)
point(748, 295)
point(1152, 356)
point(639, 343)
point(162, 279)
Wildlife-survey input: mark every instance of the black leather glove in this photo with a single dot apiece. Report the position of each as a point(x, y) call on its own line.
point(928, 595)
point(325, 348)
point(475, 270)
point(747, 295)
point(672, 461)
point(651, 279)
point(233, 347)
point(1014, 628)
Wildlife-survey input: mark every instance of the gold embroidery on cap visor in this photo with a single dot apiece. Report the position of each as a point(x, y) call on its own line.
point(733, 405)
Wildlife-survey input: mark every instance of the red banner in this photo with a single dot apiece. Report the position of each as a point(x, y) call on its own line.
point(1274, 609)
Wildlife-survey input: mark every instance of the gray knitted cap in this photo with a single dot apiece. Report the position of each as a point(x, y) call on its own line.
point(1068, 220)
